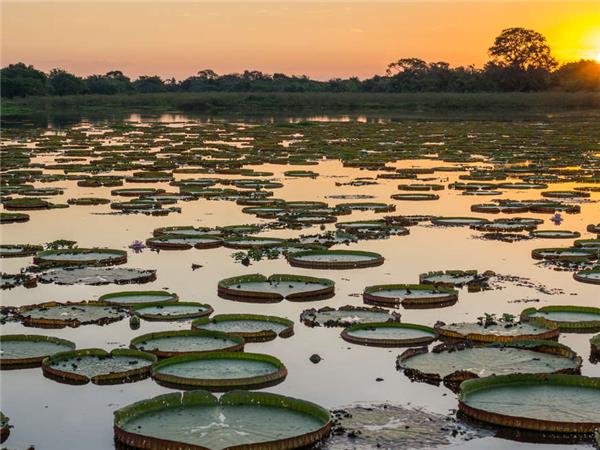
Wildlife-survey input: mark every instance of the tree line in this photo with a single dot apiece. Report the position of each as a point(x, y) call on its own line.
point(520, 60)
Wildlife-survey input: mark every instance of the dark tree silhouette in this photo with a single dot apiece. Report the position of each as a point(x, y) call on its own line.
point(61, 82)
point(522, 49)
point(20, 80)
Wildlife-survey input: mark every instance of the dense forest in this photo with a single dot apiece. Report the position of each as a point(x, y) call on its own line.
point(520, 60)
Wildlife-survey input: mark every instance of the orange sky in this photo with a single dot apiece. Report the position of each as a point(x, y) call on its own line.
point(322, 40)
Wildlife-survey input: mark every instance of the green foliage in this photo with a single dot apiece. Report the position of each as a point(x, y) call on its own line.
point(20, 80)
point(60, 244)
point(61, 82)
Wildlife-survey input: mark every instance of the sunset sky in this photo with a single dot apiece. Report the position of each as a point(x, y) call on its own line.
point(319, 39)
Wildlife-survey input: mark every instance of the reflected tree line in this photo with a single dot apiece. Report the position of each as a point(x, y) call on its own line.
point(519, 60)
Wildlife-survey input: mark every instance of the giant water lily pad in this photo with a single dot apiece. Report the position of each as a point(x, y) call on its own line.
point(131, 298)
point(96, 276)
point(6, 217)
point(165, 344)
point(187, 231)
point(345, 316)
point(172, 310)
point(575, 254)
point(539, 402)
point(238, 419)
point(583, 319)
point(220, 371)
point(335, 259)
point(18, 250)
point(458, 221)
point(415, 197)
point(60, 315)
point(497, 332)
point(184, 242)
point(98, 366)
point(251, 327)
point(410, 295)
point(81, 257)
point(247, 242)
point(389, 334)
point(588, 275)
point(555, 234)
point(275, 288)
point(27, 350)
point(455, 363)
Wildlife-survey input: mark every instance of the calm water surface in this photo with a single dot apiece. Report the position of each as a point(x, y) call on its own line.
point(53, 416)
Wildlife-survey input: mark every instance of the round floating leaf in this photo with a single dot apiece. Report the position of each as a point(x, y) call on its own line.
point(165, 344)
point(81, 257)
point(27, 350)
point(172, 310)
point(220, 371)
point(335, 259)
point(389, 334)
point(539, 402)
point(252, 419)
point(567, 318)
point(275, 288)
point(131, 298)
point(250, 327)
point(98, 366)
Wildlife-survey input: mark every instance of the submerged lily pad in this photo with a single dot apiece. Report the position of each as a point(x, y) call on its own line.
point(568, 318)
point(172, 310)
point(27, 350)
point(453, 364)
point(410, 295)
point(81, 257)
point(389, 334)
point(98, 366)
point(275, 288)
point(220, 371)
point(238, 419)
point(60, 315)
point(335, 259)
point(96, 276)
point(346, 316)
point(539, 402)
point(250, 327)
point(391, 426)
point(165, 344)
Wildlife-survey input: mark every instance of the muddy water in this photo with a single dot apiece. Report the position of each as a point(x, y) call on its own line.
point(52, 416)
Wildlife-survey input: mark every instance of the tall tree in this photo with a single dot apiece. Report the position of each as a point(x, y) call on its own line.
point(522, 49)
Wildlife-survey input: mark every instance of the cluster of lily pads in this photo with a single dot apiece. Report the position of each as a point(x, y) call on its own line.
point(508, 371)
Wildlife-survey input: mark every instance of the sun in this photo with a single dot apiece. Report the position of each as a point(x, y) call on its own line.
point(597, 56)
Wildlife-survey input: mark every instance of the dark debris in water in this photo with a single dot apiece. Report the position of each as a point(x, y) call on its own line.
point(500, 281)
